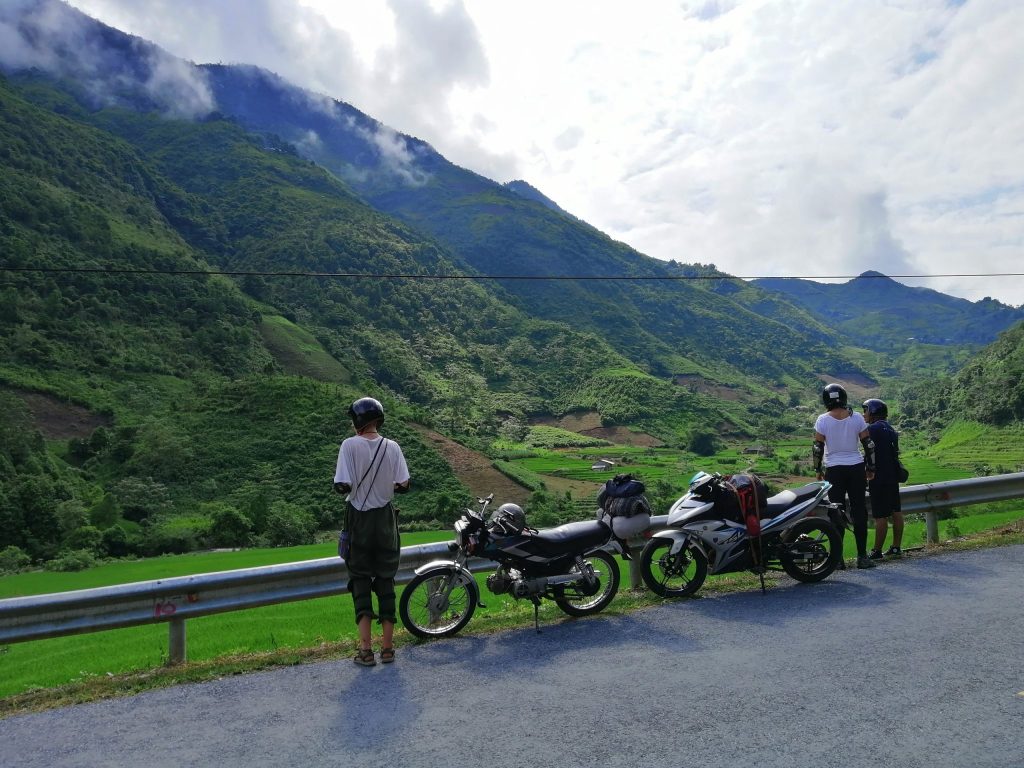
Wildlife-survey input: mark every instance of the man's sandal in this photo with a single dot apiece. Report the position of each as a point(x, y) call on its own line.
point(387, 655)
point(364, 657)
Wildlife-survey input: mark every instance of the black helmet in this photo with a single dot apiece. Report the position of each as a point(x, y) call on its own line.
point(876, 409)
point(833, 396)
point(508, 519)
point(365, 410)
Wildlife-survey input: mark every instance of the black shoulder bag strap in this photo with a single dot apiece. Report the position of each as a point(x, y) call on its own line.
point(366, 495)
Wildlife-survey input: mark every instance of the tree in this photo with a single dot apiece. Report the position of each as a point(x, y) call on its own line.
point(115, 541)
point(228, 526)
point(106, 512)
point(766, 429)
point(514, 430)
point(289, 525)
point(702, 441)
point(141, 497)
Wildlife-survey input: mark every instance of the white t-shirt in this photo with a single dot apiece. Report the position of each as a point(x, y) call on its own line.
point(378, 488)
point(841, 438)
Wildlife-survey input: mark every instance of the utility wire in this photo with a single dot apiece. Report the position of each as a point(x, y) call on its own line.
point(414, 276)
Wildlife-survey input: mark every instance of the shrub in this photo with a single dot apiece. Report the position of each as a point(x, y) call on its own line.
point(13, 559)
point(289, 525)
point(72, 560)
point(175, 535)
point(115, 541)
point(88, 538)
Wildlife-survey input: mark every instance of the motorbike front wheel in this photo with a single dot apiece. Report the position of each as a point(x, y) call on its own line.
point(579, 600)
point(438, 602)
point(668, 575)
point(811, 550)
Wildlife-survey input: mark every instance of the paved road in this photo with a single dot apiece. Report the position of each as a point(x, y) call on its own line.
point(917, 663)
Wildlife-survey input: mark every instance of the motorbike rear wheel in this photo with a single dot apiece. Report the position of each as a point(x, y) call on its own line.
point(668, 575)
point(811, 550)
point(577, 601)
point(438, 602)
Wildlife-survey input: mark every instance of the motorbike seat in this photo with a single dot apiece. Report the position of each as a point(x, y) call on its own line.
point(780, 502)
point(583, 535)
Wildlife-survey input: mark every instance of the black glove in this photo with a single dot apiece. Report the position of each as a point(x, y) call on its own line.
point(342, 488)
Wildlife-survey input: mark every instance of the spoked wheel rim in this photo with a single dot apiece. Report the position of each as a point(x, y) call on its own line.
point(435, 606)
point(578, 600)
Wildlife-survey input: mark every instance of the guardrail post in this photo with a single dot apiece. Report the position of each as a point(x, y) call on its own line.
point(176, 641)
point(635, 579)
point(931, 521)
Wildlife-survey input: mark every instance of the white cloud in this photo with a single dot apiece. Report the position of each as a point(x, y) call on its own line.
point(51, 37)
point(766, 136)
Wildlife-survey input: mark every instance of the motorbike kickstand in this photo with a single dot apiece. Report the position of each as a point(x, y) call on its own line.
point(536, 611)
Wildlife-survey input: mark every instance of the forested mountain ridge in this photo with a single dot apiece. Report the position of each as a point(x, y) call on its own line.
point(877, 312)
point(664, 321)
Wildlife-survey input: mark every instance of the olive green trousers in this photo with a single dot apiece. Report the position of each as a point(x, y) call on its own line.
point(373, 563)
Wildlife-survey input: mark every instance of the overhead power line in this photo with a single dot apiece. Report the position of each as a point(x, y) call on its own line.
point(420, 276)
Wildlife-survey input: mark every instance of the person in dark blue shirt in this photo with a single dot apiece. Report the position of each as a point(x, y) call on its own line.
point(884, 487)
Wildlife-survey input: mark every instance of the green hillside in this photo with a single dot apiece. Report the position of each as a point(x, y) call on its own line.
point(225, 398)
point(208, 440)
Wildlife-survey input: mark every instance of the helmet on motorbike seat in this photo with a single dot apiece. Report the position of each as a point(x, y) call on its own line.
point(507, 519)
point(364, 411)
point(876, 409)
point(833, 396)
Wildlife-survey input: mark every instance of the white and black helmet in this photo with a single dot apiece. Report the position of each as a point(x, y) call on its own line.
point(833, 396)
point(364, 411)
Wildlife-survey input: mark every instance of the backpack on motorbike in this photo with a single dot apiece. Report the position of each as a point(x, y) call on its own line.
point(624, 506)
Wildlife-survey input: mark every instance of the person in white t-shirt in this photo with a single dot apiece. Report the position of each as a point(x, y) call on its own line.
point(370, 470)
point(836, 435)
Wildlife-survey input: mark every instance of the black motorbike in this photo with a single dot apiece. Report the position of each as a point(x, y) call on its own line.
point(567, 564)
point(709, 532)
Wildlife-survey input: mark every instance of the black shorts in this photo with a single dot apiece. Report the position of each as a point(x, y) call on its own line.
point(885, 498)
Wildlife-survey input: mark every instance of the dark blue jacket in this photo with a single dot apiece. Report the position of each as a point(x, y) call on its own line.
point(887, 448)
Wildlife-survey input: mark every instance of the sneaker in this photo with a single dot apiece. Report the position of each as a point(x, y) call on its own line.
point(894, 552)
point(841, 565)
point(876, 554)
point(866, 562)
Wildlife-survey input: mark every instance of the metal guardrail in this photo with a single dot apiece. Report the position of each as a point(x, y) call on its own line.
point(177, 599)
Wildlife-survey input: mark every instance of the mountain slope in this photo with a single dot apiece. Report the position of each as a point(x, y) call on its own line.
point(990, 388)
point(196, 410)
point(669, 324)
